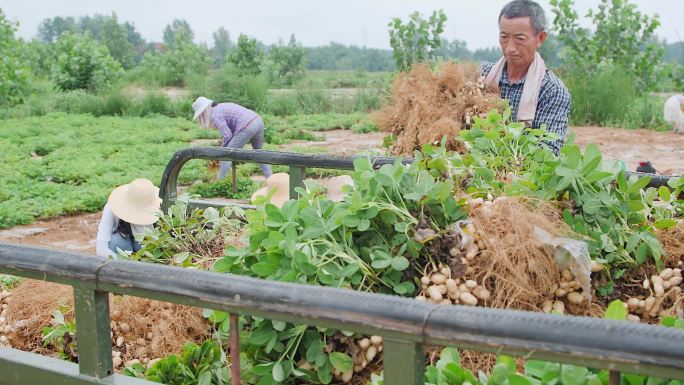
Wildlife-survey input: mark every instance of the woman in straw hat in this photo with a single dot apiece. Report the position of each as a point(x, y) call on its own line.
point(238, 125)
point(130, 210)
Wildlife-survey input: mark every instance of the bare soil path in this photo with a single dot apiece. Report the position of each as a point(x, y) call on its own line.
point(76, 233)
point(665, 150)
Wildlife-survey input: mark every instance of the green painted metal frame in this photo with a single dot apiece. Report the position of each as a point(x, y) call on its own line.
point(406, 325)
point(405, 335)
point(298, 163)
point(93, 333)
point(20, 368)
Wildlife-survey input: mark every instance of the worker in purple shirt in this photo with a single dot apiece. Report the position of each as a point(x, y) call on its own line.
point(238, 125)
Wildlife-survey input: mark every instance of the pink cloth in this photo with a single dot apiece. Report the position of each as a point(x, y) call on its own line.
point(533, 82)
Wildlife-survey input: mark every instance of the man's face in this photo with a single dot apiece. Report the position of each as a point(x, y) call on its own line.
point(518, 41)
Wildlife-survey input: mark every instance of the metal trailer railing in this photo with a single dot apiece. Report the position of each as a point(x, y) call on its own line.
point(407, 325)
point(297, 163)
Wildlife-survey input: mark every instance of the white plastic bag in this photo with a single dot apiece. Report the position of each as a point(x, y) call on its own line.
point(569, 254)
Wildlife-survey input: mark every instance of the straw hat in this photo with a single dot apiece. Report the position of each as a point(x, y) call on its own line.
point(136, 203)
point(199, 105)
point(280, 182)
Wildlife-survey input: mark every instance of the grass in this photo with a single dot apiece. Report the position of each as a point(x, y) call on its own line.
point(61, 163)
point(609, 97)
point(224, 188)
point(344, 79)
point(115, 103)
point(282, 129)
point(67, 163)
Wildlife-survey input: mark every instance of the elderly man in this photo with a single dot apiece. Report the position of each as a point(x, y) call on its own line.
point(536, 96)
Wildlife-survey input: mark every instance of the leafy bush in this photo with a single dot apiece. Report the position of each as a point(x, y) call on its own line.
point(39, 56)
point(601, 96)
point(229, 85)
point(14, 70)
point(318, 101)
point(417, 40)
point(82, 63)
point(247, 57)
point(623, 36)
point(196, 365)
point(285, 64)
point(609, 96)
point(76, 102)
point(156, 103)
point(172, 68)
point(178, 33)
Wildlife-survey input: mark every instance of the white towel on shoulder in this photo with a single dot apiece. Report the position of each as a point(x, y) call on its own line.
point(530, 94)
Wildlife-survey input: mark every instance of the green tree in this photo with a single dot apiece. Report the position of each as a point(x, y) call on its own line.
point(417, 40)
point(93, 25)
point(551, 49)
point(335, 56)
point(14, 69)
point(177, 33)
point(622, 36)
point(107, 30)
point(173, 67)
point(115, 37)
point(49, 30)
point(247, 56)
point(222, 44)
point(455, 49)
point(39, 56)
point(133, 36)
point(490, 54)
point(82, 63)
point(136, 40)
point(286, 63)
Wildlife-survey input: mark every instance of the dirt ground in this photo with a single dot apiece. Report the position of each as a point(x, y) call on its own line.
point(665, 150)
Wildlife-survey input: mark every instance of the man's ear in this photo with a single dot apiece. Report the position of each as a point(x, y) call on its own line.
point(541, 37)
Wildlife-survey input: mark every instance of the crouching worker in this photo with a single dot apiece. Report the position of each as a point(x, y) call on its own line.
point(537, 97)
point(131, 211)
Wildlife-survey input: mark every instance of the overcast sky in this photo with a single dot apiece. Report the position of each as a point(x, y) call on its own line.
point(314, 22)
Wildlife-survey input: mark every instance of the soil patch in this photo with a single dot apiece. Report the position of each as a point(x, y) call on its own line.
point(665, 150)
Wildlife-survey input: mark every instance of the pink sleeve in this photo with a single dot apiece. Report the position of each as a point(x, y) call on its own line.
point(222, 125)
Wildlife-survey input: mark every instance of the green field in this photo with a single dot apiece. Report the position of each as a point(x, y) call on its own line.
point(67, 163)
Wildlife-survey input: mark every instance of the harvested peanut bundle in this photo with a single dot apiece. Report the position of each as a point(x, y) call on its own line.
point(5, 327)
point(568, 290)
point(662, 288)
point(363, 351)
point(439, 288)
point(428, 105)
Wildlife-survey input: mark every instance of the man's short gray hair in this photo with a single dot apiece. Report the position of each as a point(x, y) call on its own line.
point(526, 8)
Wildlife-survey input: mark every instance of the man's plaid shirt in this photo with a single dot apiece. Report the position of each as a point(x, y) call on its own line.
point(553, 106)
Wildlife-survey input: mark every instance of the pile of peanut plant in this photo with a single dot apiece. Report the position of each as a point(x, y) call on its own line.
point(367, 242)
point(397, 224)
